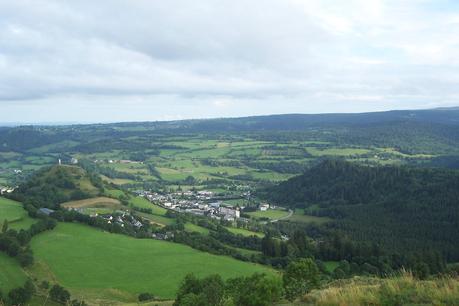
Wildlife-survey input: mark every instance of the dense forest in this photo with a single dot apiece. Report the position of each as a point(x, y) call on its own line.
point(402, 208)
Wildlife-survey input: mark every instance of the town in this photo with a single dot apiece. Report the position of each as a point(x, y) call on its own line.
point(201, 203)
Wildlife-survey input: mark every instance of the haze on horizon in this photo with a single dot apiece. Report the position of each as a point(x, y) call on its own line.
point(86, 61)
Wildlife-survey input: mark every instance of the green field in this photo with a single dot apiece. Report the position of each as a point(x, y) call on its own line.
point(190, 227)
point(16, 215)
point(244, 232)
point(299, 216)
point(331, 265)
point(82, 258)
point(270, 213)
point(11, 273)
point(141, 202)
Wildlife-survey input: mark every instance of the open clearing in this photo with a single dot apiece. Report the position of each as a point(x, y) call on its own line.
point(81, 257)
point(244, 232)
point(16, 215)
point(99, 202)
point(299, 216)
point(273, 214)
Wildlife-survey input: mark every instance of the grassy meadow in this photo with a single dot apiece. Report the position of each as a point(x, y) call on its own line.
point(270, 213)
point(13, 212)
point(11, 273)
point(299, 216)
point(83, 259)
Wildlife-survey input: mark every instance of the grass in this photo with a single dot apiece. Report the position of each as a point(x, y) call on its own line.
point(11, 273)
point(99, 202)
point(270, 213)
point(113, 193)
point(80, 258)
point(400, 290)
point(190, 227)
point(157, 219)
point(15, 214)
point(331, 265)
point(244, 232)
point(141, 202)
point(336, 151)
point(299, 216)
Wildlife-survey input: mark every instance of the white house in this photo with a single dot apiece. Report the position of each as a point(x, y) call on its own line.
point(263, 207)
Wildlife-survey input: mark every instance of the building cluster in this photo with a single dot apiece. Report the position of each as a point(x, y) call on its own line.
point(6, 189)
point(121, 218)
point(200, 203)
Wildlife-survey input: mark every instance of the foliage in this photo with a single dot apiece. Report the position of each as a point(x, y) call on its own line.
point(254, 290)
point(401, 208)
point(300, 278)
point(59, 294)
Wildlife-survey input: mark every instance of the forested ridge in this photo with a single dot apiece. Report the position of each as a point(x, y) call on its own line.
point(402, 208)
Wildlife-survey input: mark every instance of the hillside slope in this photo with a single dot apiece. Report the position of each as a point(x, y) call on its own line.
point(84, 258)
point(400, 290)
point(402, 208)
point(49, 187)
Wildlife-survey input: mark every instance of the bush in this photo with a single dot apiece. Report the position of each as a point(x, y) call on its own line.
point(59, 294)
point(146, 297)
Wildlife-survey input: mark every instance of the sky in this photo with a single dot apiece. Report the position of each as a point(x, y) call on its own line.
point(147, 60)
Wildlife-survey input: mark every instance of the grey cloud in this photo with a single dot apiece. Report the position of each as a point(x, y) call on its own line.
point(295, 56)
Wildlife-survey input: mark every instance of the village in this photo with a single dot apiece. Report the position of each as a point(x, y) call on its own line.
point(201, 203)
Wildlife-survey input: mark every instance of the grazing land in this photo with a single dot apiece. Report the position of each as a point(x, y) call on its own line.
point(11, 273)
point(273, 214)
point(83, 258)
point(99, 202)
point(13, 212)
point(299, 216)
point(244, 232)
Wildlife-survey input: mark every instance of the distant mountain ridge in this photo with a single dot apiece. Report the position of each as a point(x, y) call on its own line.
point(419, 131)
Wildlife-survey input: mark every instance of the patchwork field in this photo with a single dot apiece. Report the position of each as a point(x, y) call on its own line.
point(13, 212)
point(80, 258)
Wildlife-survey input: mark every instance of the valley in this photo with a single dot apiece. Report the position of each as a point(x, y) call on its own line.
point(121, 212)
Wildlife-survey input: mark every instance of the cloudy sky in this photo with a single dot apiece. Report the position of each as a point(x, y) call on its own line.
point(125, 60)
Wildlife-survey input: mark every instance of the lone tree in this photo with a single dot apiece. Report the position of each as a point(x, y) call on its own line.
point(5, 226)
point(300, 277)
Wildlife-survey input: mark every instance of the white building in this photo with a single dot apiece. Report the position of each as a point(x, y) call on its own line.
point(263, 207)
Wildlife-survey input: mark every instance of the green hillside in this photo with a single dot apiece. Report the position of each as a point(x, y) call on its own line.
point(84, 259)
point(13, 212)
point(399, 290)
point(51, 186)
point(11, 273)
point(405, 209)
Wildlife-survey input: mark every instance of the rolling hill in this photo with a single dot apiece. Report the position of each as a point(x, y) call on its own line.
point(402, 208)
point(51, 186)
point(94, 263)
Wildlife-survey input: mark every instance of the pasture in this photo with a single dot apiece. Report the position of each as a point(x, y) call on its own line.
point(11, 273)
point(16, 215)
point(99, 202)
point(299, 216)
point(244, 232)
point(111, 266)
point(272, 214)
